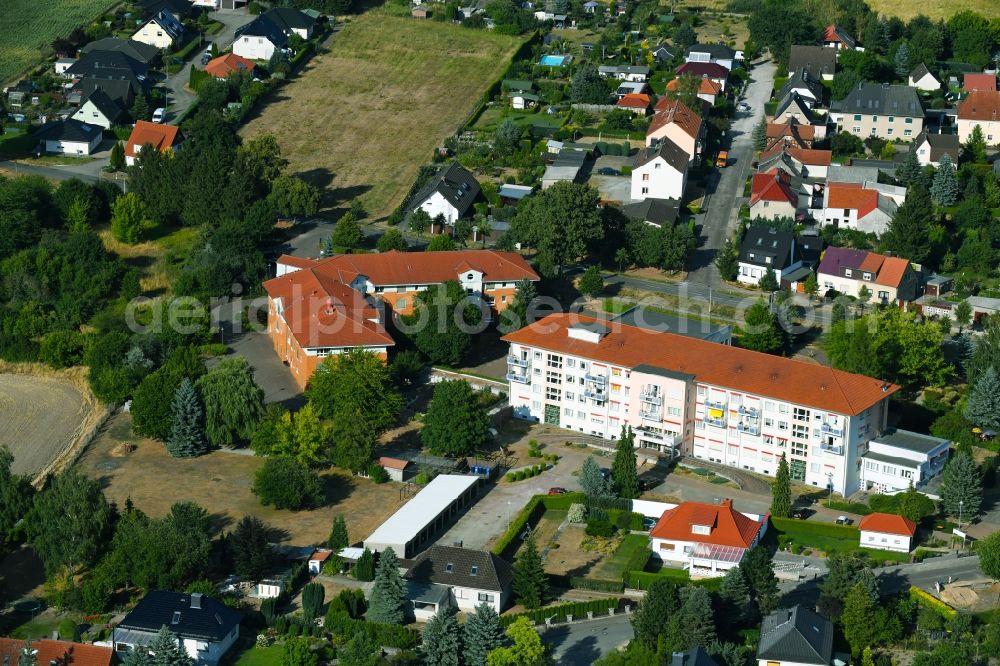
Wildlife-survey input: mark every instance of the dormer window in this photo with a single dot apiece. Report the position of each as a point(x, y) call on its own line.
point(847, 272)
point(448, 568)
point(474, 571)
point(867, 276)
point(701, 529)
point(177, 618)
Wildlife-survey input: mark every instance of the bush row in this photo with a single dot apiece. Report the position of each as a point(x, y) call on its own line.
point(526, 473)
point(641, 580)
point(927, 600)
point(596, 584)
point(530, 514)
point(559, 613)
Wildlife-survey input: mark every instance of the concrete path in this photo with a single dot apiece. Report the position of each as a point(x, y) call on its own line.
point(586, 641)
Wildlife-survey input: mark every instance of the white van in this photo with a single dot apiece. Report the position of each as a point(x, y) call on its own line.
point(159, 114)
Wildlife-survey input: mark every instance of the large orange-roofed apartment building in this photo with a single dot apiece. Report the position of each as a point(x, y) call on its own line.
point(322, 307)
point(687, 396)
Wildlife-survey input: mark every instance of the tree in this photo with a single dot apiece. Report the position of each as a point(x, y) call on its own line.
point(561, 222)
point(364, 570)
point(781, 491)
point(975, 147)
point(438, 334)
point(846, 144)
point(759, 574)
point(312, 600)
point(391, 240)
point(859, 619)
point(234, 404)
point(531, 585)
point(623, 470)
point(986, 352)
point(16, 496)
point(588, 87)
point(69, 522)
point(250, 548)
point(301, 435)
point(287, 483)
point(988, 549)
point(140, 107)
point(347, 235)
point(971, 38)
point(355, 384)
point(517, 313)
point(759, 135)
point(441, 645)
point(338, 539)
point(685, 37)
point(694, 623)
point(481, 634)
point(812, 284)
point(763, 331)
point(187, 428)
point(387, 604)
point(944, 189)
point(419, 221)
point(914, 505)
point(908, 234)
point(768, 282)
point(117, 159)
point(441, 243)
point(507, 137)
point(983, 406)
point(962, 487)
point(164, 650)
point(527, 648)
point(963, 314)
point(593, 481)
point(901, 61)
point(844, 571)
point(910, 171)
point(728, 260)
point(591, 282)
point(293, 196)
point(127, 216)
point(362, 649)
point(736, 591)
point(297, 651)
point(650, 620)
point(456, 420)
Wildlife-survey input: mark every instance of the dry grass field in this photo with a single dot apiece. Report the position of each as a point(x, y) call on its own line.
point(362, 117)
point(221, 482)
point(907, 9)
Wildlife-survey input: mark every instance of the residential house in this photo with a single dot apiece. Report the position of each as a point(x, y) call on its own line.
point(205, 628)
point(980, 107)
point(855, 206)
point(899, 459)
point(565, 167)
point(816, 61)
point(836, 37)
point(664, 52)
point(708, 89)
point(765, 247)
point(144, 53)
point(451, 193)
point(161, 31)
point(975, 81)
point(467, 577)
point(718, 54)
point(162, 137)
point(111, 65)
point(810, 90)
point(119, 92)
point(291, 21)
point(631, 88)
point(259, 39)
point(792, 133)
point(177, 9)
point(772, 196)
point(705, 70)
point(317, 560)
point(795, 637)
point(879, 109)
point(922, 79)
point(60, 66)
point(631, 73)
point(319, 308)
point(805, 162)
point(660, 171)
point(887, 279)
point(653, 211)
point(707, 539)
point(18, 95)
point(838, 173)
point(229, 63)
point(591, 7)
point(696, 656)
point(887, 531)
point(682, 395)
point(793, 109)
point(637, 104)
point(99, 109)
point(932, 147)
point(69, 137)
point(213, 5)
point(49, 651)
point(675, 121)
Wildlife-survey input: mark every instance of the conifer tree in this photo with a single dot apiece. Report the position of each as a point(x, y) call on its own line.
point(531, 585)
point(983, 406)
point(388, 599)
point(482, 632)
point(187, 431)
point(623, 470)
point(442, 639)
point(781, 491)
point(944, 189)
point(338, 539)
point(759, 135)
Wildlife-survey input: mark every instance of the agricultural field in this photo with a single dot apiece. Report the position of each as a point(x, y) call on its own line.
point(365, 115)
point(907, 9)
point(27, 28)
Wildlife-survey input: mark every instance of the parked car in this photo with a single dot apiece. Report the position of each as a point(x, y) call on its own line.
point(743, 106)
point(159, 114)
point(648, 523)
point(802, 513)
point(608, 171)
point(844, 520)
point(557, 491)
point(205, 58)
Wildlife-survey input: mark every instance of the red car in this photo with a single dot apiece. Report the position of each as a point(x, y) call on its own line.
point(557, 491)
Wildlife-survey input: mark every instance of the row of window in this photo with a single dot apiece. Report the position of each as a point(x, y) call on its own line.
point(892, 119)
point(889, 470)
point(874, 131)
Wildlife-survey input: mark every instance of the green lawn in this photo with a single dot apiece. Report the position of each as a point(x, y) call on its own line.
point(27, 28)
point(632, 555)
point(493, 116)
point(255, 656)
point(827, 538)
point(907, 9)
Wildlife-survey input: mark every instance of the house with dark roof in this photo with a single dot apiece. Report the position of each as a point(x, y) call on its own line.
point(69, 137)
point(794, 109)
point(178, 9)
point(654, 211)
point(291, 21)
point(880, 109)
point(887, 279)
point(630, 73)
point(795, 637)
point(99, 109)
point(900, 458)
point(696, 656)
point(718, 54)
point(932, 147)
point(451, 192)
point(161, 30)
point(49, 652)
point(816, 61)
point(460, 577)
point(664, 52)
point(113, 66)
point(205, 628)
point(765, 247)
point(922, 79)
point(804, 162)
point(259, 39)
point(809, 89)
point(708, 539)
point(660, 171)
point(836, 37)
point(119, 92)
point(144, 53)
point(566, 166)
point(705, 70)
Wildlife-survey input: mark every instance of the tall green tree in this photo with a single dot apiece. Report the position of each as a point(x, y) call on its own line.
point(164, 650)
point(983, 405)
point(685, 37)
point(16, 496)
point(347, 235)
point(944, 189)
point(294, 197)
point(297, 651)
point(562, 223)
point(588, 87)
point(234, 403)
point(387, 604)
point(312, 600)
point(531, 585)
point(481, 633)
point(975, 147)
point(507, 137)
point(914, 505)
point(592, 481)
point(962, 487)
point(187, 428)
point(526, 647)
point(392, 239)
point(859, 619)
point(117, 159)
point(355, 384)
point(908, 234)
point(442, 639)
point(844, 571)
point(338, 539)
point(301, 435)
point(127, 215)
point(759, 574)
point(972, 38)
point(781, 491)
point(623, 469)
point(901, 61)
point(988, 549)
point(694, 622)
point(728, 260)
point(287, 483)
point(735, 591)
point(517, 314)
point(759, 136)
point(591, 283)
point(769, 282)
point(762, 331)
point(661, 603)
point(250, 548)
point(456, 420)
point(909, 172)
point(434, 325)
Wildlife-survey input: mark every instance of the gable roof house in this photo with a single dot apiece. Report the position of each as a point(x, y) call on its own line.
point(857, 206)
point(886, 531)
point(631, 73)
point(161, 31)
point(795, 637)
point(451, 192)
point(836, 37)
point(978, 81)
point(766, 247)
point(205, 628)
point(708, 89)
point(718, 54)
point(119, 92)
point(879, 109)
point(637, 104)
point(229, 63)
point(675, 121)
point(709, 539)
point(705, 70)
point(565, 167)
point(259, 39)
point(664, 52)
point(69, 137)
point(922, 79)
point(99, 109)
point(49, 652)
point(794, 109)
point(792, 133)
point(660, 171)
point(888, 279)
point(932, 147)
point(460, 577)
point(805, 162)
point(696, 656)
point(653, 211)
point(980, 107)
point(808, 88)
point(631, 88)
point(178, 9)
point(816, 61)
point(113, 66)
point(144, 53)
point(162, 137)
point(291, 21)
point(772, 196)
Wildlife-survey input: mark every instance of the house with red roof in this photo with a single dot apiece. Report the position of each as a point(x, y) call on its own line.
point(675, 121)
point(887, 279)
point(772, 196)
point(706, 539)
point(836, 37)
point(804, 162)
point(887, 531)
point(860, 206)
point(708, 89)
point(229, 63)
point(982, 108)
point(47, 652)
point(161, 137)
point(639, 104)
point(705, 70)
point(977, 81)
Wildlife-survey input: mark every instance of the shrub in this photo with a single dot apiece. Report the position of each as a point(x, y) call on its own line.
point(577, 514)
point(268, 608)
point(595, 585)
point(377, 473)
point(599, 528)
point(511, 477)
point(68, 630)
point(287, 483)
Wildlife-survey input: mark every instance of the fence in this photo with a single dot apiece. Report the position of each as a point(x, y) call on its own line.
point(594, 108)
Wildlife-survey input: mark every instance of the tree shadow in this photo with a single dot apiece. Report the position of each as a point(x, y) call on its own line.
point(337, 488)
point(320, 177)
point(338, 195)
point(218, 522)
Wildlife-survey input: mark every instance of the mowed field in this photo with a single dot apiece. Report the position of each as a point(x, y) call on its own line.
point(363, 117)
point(27, 28)
point(907, 9)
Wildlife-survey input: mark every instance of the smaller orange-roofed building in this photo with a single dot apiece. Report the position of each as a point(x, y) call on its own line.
point(887, 531)
point(227, 64)
point(708, 539)
point(47, 652)
point(160, 137)
point(772, 196)
point(708, 89)
point(637, 103)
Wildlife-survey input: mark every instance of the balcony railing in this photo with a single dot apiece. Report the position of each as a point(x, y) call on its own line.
point(748, 428)
point(664, 437)
point(831, 430)
point(518, 378)
point(835, 449)
point(748, 411)
point(651, 397)
point(715, 405)
point(596, 379)
point(595, 394)
point(650, 415)
point(718, 423)
point(518, 361)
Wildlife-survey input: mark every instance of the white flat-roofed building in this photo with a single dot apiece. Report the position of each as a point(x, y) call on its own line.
point(425, 515)
point(898, 459)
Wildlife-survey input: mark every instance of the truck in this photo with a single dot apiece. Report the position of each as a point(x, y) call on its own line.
point(721, 159)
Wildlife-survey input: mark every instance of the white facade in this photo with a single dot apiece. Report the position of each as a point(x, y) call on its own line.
point(90, 114)
point(154, 34)
point(752, 273)
point(201, 651)
point(254, 47)
point(210, 4)
point(64, 147)
point(467, 598)
point(899, 543)
point(658, 179)
point(785, 662)
point(927, 83)
point(702, 56)
point(889, 466)
point(770, 210)
point(990, 129)
point(436, 204)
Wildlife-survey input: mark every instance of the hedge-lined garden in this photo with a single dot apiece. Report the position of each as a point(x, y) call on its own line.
point(559, 613)
point(792, 533)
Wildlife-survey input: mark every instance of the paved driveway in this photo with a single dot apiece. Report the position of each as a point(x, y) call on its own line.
point(587, 641)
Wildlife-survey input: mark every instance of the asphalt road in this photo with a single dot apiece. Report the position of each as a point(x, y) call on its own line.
point(725, 186)
point(583, 643)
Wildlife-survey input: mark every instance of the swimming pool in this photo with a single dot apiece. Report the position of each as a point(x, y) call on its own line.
point(553, 60)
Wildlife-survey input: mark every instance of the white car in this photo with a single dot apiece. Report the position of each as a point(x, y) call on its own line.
point(742, 106)
point(159, 114)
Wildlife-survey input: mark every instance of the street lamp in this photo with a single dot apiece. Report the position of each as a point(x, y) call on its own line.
point(829, 484)
point(222, 334)
point(508, 514)
point(960, 503)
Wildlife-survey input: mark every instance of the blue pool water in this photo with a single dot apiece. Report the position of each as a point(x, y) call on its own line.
point(552, 60)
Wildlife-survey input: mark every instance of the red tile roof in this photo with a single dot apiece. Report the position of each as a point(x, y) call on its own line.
point(63, 653)
point(972, 82)
point(835, 33)
point(705, 86)
point(225, 65)
point(393, 463)
point(634, 101)
point(297, 262)
point(669, 111)
point(795, 131)
point(737, 369)
point(980, 105)
point(320, 555)
point(775, 185)
point(411, 268)
point(161, 137)
point(892, 271)
point(709, 70)
point(852, 196)
point(888, 523)
point(728, 527)
point(807, 156)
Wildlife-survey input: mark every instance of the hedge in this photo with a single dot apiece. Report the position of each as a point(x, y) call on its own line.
point(596, 584)
point(539, 504)
point(559, 613)
point(927, 600)
point(531, 512)
point(641, 580)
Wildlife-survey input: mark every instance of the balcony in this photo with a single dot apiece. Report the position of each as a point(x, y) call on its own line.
point(748, 411)
point(715, 405)
point(748, 428)
point(651, 397)
point(595, 394)
point(596, 379)
point(718, 423)
point(517, 361)
point(831, 430)
point(518, 378)
point(667, 438)
point(650, 415)
point(835, 449)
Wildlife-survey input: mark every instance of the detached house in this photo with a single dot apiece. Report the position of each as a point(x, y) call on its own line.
point(259, 39)
point(899, 459)
point(229, 63)
point(887, 279)
point(804, 162)
point(772, 196)
point(159, 136)
point(144, 53)
point(637, 104)
point(835, 37)
point(879, 109)
point(653, 211)
point(886, 531)
point(791, 133)
point(705, 70)
point(975, 81)
point(765, 247)
point(49, 652)
point(99, 109)
point(932, 147)
point(856, 206)
point(450, 193)
point(631, 73)
point(708, 539)
point(291, 21)
point(161, 31)
point(980, 107)
point(112, 66)
point(69, 137)
point(460, 577)
point(675, 121)
point(795, 637)
point(718, 54)
point(660, 171)
point(922, 79)
point(808, 88)
point(794, 109)
point(708, 89)
point(816, 61)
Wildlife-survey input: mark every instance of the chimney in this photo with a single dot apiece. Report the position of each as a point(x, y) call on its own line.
point(196, 600)
point(727, 502)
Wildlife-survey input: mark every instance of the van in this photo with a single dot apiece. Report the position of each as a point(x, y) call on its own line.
point(159, 114)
